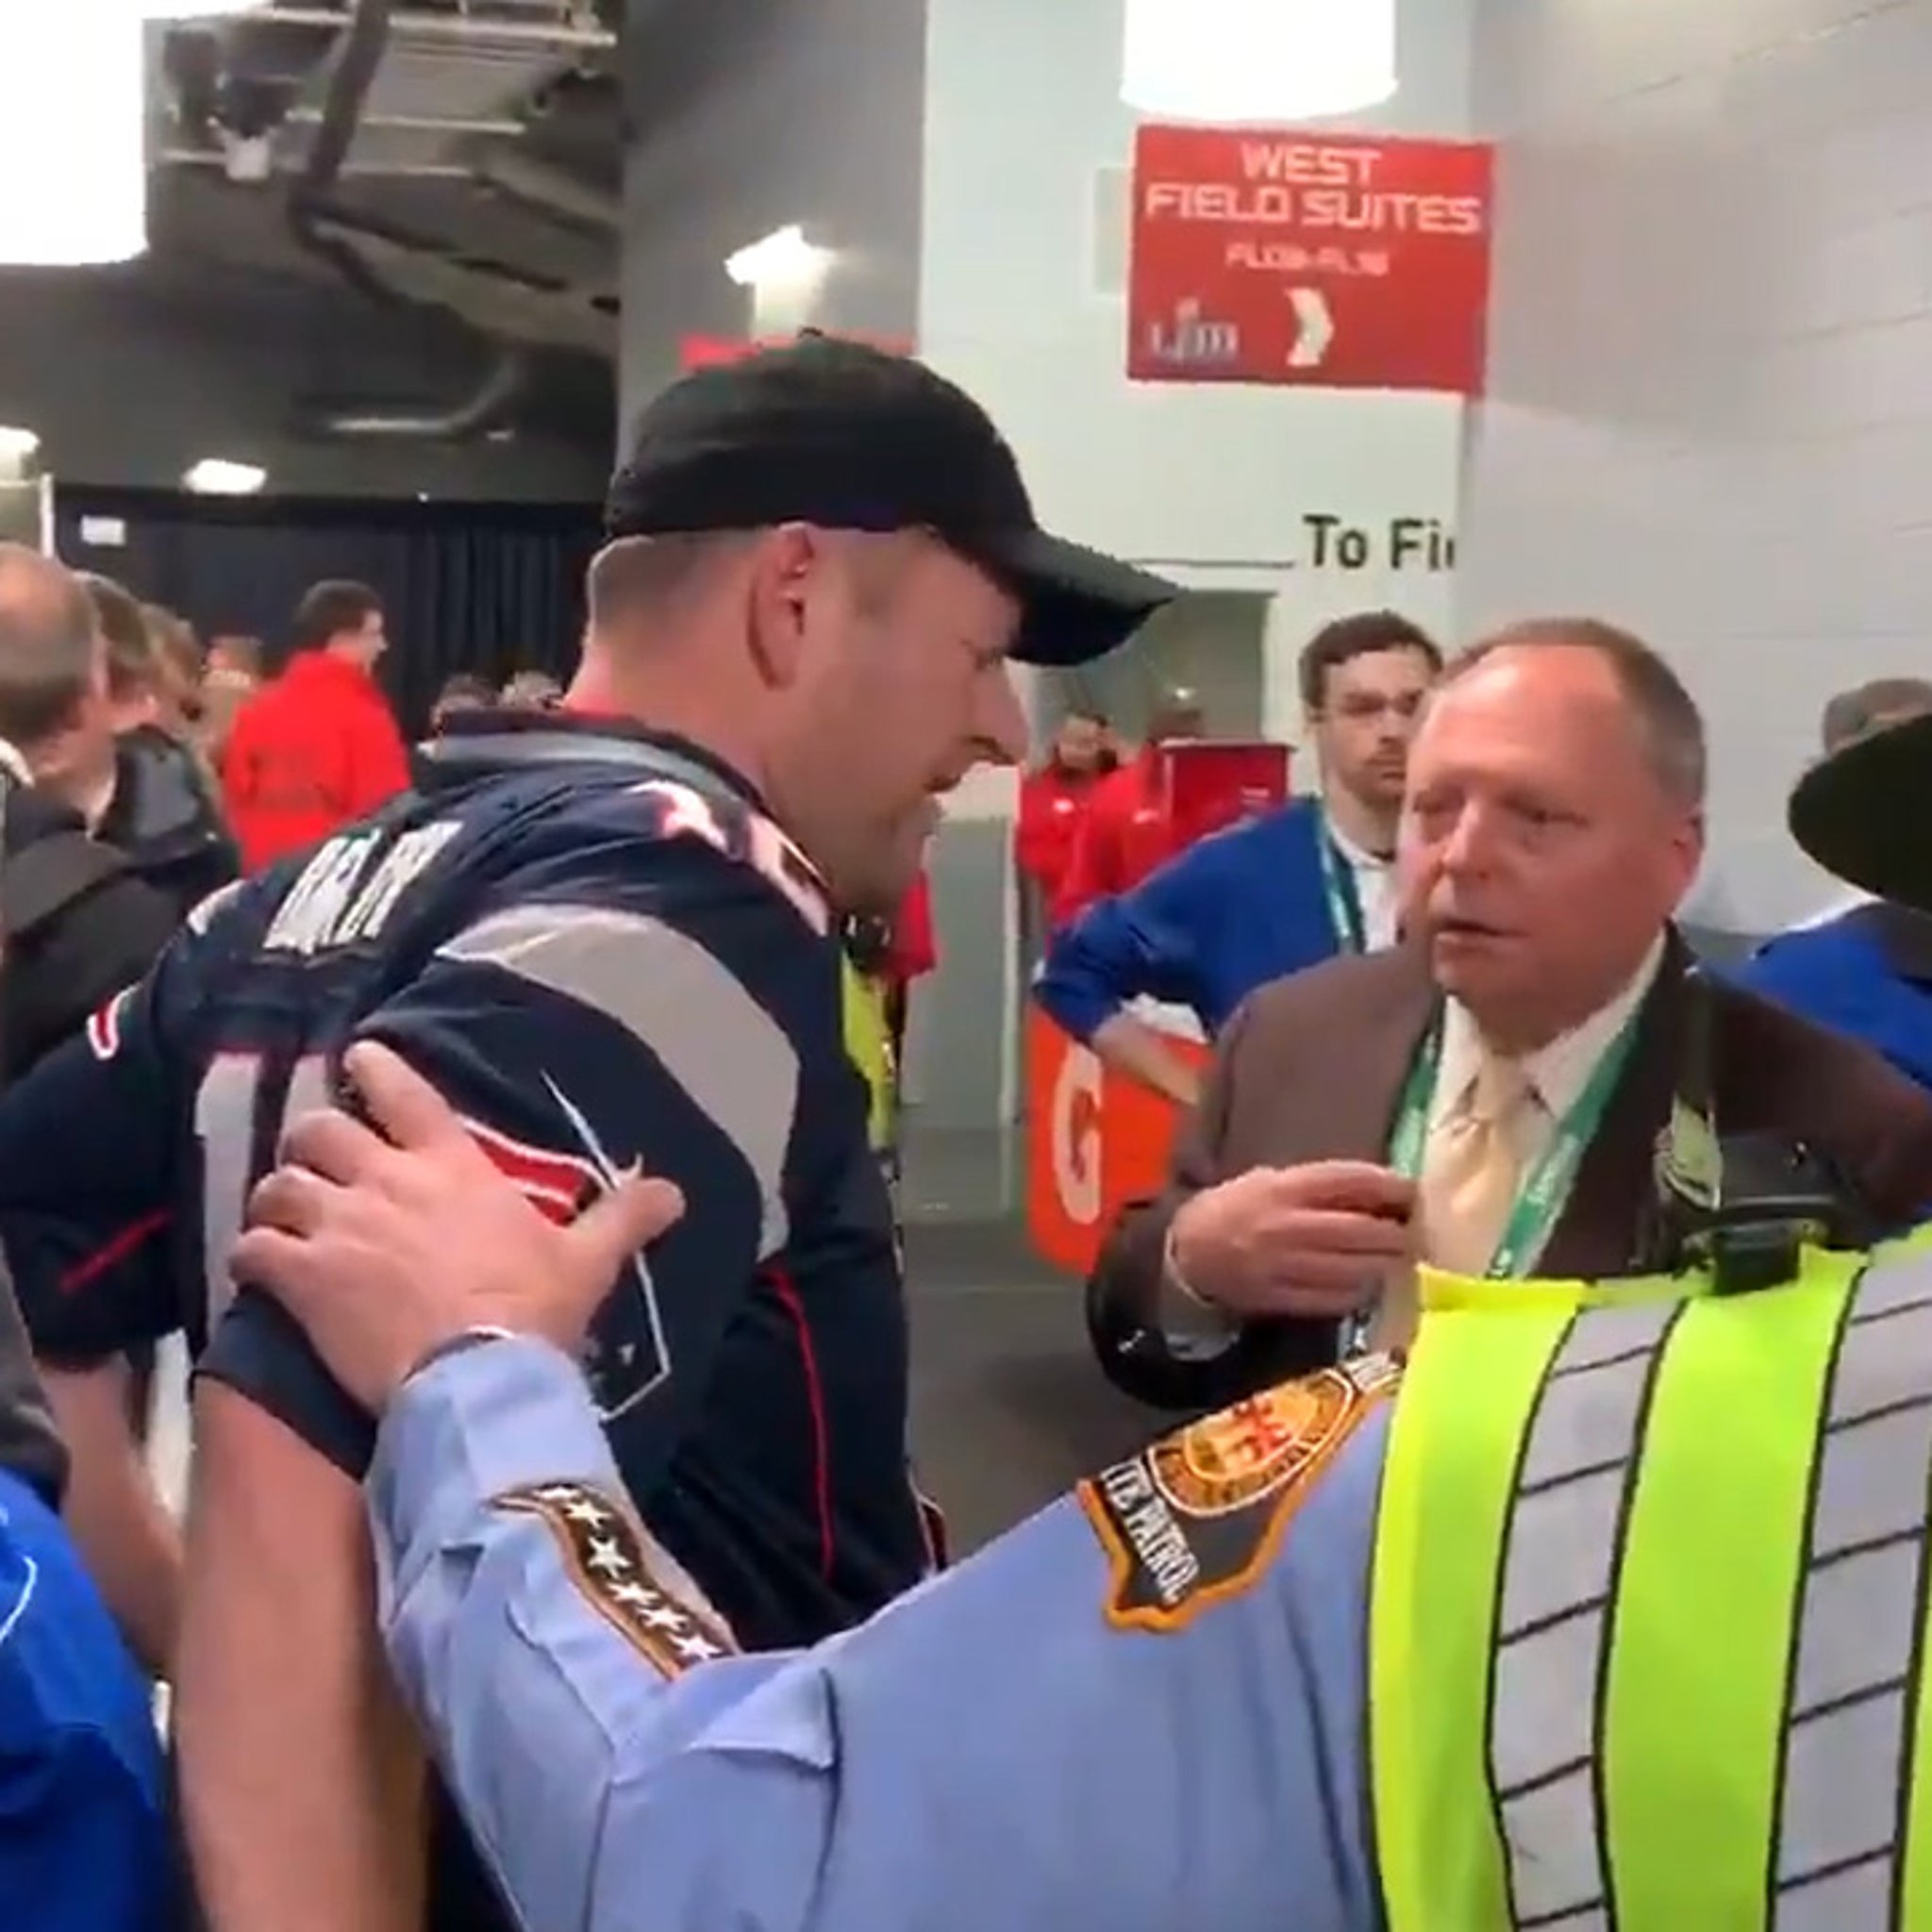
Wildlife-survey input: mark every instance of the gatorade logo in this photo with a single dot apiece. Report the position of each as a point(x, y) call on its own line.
point(1074, 1133)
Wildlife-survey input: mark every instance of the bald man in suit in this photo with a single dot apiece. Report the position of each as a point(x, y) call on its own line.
point(1489, 1096)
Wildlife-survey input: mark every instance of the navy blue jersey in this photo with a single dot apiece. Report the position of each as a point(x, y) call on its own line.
point(603, 952)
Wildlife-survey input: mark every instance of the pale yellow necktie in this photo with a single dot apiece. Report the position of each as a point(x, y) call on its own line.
point(1473, 1167)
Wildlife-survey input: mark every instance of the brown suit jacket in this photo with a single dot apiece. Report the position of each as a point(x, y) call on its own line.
point(1312, 1068)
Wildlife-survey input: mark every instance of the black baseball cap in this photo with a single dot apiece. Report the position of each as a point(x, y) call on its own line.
point(854, 438)
point(1865, 812)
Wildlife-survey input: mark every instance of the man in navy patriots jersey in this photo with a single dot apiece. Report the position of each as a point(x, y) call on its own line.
point(598, 941)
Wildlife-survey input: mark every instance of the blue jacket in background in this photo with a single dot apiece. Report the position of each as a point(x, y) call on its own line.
point(83, 1843)
point(1226, 915)
point(1866, 973)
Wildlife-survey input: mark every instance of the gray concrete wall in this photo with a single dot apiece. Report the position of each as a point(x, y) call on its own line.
point(747, 117)
point(1707, 416)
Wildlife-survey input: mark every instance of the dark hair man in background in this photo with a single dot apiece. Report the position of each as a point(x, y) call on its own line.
point(1259, 900)
point(1866, 970)
point(319, 746)
point(159, 808)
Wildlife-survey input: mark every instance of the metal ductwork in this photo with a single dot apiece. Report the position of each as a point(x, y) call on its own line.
point(321, 228)
point(505, 303)
point(548, 190)
point(494, 397)
point(351, 72)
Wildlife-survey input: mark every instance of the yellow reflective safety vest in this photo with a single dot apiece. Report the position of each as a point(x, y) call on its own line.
point(868, 1047)
point(1649, 1608)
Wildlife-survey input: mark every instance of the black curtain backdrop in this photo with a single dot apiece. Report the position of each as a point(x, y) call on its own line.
point(480, 587)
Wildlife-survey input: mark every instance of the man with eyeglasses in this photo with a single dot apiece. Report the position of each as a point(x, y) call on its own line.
point(1267, 898)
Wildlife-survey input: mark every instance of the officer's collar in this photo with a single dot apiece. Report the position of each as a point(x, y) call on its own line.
point(474, 743)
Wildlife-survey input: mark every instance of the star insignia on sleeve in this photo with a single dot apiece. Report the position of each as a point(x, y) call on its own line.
point(614, 1564)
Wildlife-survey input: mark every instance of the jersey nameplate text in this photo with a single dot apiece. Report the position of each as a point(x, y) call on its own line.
point(345, 894)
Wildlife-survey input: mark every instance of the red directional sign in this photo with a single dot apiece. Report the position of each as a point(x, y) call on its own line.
point(1329, 261)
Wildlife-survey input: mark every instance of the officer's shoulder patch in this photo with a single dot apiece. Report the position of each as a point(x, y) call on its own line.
point(1197, 1518)
point(618, 1569)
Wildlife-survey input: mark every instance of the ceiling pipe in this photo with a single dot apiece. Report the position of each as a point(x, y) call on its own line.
point(461, 29)
point(352, 67)
point(352, 170)
point(352, 72)
point(501, 389)
point(547, 190)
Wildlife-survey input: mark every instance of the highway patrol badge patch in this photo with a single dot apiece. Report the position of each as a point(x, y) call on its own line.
point(1197, 1518)
point(617, 1569)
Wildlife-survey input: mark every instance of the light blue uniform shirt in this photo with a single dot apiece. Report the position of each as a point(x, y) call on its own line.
point(991, 1751)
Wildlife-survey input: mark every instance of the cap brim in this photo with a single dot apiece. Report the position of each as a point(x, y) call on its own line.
point(1079, 603)
point(1862, 813)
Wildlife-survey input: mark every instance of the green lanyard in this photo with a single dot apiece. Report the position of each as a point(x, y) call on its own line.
point(1546, 1188)
point(1338, 885)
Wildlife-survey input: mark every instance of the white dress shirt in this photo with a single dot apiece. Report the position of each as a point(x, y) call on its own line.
point(1559, 1073)
point(1374, 887)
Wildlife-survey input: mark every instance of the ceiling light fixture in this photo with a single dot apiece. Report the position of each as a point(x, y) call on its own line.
point(73, 142)
point(782, 258)
point(1258, 60)
point(219, 477)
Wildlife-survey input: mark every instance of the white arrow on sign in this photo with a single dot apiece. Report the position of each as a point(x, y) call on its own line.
point(1316, 323)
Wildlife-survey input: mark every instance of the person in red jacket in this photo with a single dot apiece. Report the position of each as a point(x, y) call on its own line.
point(319, 746)
point(1054, 799)
point(1125, 834)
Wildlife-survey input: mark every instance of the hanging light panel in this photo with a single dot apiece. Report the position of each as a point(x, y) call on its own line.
point(74, 137)
point(1257, 60)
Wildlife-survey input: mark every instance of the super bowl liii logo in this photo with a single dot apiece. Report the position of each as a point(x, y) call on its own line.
point(1188, 339)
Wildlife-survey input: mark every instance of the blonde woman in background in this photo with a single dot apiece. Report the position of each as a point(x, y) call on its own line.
point(230, 676)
